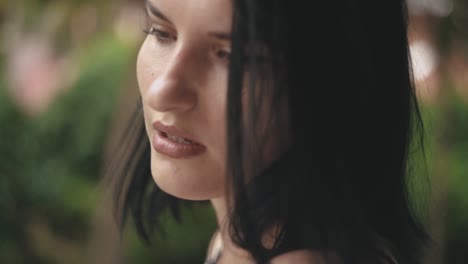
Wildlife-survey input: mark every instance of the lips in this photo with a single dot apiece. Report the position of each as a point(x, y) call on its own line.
point(170, 141)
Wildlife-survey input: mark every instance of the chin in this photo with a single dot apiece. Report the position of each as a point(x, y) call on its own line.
point(188, 179)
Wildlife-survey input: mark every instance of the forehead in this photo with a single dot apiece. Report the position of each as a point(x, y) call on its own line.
point(216, 13)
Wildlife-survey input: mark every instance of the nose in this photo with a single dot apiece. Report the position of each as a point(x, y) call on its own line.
point(173, 89)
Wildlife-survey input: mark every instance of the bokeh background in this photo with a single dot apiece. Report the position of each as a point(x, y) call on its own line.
point(68, 87)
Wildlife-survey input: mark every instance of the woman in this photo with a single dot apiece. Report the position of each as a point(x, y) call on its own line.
point(295, 123)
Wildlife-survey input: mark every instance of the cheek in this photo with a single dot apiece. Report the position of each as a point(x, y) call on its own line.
point(215, 105)
point(147, 69)
point(144, 80)
point(143, 69)
point(150, 64)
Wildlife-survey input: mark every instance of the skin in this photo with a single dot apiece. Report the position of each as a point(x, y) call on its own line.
point(182, 71)
point(182, 74)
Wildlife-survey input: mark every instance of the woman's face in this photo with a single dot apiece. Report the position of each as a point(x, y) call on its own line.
point(182, 71)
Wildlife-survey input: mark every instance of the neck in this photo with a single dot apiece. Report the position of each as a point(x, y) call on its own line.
point(231, 252)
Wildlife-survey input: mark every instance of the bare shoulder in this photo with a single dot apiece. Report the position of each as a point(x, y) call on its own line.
point(305, 256)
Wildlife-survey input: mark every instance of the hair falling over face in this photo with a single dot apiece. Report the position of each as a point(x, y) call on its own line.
point(320, 114)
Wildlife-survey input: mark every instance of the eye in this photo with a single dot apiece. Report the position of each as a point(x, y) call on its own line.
point(223, 54)
point(161, 36)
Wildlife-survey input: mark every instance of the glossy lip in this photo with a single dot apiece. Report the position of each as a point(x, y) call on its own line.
point(165, 146)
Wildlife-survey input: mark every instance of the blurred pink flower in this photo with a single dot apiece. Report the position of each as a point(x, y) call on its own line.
point(35, 75)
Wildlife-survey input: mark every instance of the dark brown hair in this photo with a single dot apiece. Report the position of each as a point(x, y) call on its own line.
point(342, 185)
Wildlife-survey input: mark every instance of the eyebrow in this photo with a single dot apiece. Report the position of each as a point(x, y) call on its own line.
point(156, 12)
point(220, 35)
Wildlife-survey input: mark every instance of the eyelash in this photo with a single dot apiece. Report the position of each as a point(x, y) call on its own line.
point(165, 38)
point(161, 36)
point(223, 55)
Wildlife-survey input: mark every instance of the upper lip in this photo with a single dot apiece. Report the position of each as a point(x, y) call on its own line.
point(171, 130)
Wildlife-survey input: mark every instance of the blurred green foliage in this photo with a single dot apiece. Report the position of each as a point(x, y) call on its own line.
point(184, 242)
point(446, 135)
point(50, 164)
point(457, 177)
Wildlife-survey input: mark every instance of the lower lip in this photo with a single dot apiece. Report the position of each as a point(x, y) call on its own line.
point(173, 149)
